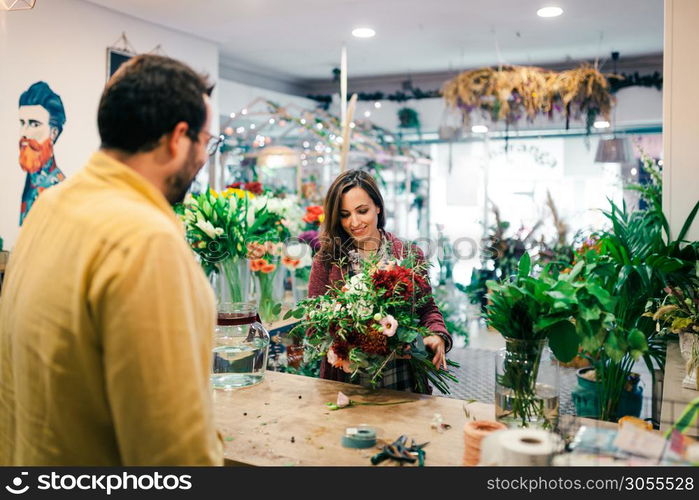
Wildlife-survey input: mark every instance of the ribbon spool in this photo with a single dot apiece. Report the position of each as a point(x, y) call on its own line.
point(359, 437)
point(474, 433)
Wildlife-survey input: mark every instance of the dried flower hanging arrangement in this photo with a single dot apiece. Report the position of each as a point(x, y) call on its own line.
point(513, 92)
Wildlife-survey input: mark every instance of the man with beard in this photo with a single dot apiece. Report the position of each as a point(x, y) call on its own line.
point(41, 119)
point(106, 318)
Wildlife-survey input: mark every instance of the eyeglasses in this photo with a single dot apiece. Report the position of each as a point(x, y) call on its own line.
point(213, 144)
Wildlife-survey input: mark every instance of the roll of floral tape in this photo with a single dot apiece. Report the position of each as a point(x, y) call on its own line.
point(359, 437)
point(474, 433)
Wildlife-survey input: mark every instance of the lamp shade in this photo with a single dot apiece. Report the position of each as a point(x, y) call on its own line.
point(615, 150)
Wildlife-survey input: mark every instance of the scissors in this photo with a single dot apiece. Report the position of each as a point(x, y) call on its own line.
point(399, 451)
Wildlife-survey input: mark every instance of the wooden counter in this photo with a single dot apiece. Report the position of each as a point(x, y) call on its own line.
point(284, 421)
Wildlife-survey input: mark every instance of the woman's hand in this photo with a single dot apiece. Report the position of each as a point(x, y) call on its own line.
point(436, 344)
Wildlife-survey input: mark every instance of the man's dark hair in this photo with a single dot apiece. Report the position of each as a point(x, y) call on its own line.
point(40, 94)
point(144, 100)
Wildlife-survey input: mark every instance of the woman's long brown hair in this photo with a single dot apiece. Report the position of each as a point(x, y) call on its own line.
point(334, 240)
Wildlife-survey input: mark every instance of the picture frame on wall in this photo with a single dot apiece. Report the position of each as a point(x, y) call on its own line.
point(115, 58)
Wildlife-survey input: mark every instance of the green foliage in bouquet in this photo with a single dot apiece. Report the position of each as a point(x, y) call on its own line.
point(533, 308)
point(372, 320)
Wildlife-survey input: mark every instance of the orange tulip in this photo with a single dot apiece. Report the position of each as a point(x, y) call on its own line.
point(289, 262)
point(257, 264)
point(268, 268)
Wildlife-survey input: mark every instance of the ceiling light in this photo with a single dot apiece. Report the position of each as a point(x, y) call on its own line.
point(367, 114)
point(549, 12)
point(244, 111)
point(634, 171)
point(363, 32)
point(479, 129)
point(377, 104)
point(601, 124)
point(232, 115)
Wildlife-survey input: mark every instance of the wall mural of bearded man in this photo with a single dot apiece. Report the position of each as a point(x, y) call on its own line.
point(41, 119)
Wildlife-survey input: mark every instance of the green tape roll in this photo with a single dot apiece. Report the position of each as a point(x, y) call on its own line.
point(359, 437)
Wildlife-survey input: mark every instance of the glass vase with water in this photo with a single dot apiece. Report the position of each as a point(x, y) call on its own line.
point(241, 347)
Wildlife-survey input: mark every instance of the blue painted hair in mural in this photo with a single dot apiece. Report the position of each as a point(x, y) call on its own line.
point(40, 94)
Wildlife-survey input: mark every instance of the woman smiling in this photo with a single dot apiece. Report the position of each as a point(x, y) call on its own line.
point(352, 231)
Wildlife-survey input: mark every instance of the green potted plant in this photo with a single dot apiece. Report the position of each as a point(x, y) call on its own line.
point(525, 310)
point(630, 266)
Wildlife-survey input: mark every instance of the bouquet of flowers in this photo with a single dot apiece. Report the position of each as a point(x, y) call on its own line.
point(372, 320)
point(312, 219)
point(267, 231)
point(216, 228)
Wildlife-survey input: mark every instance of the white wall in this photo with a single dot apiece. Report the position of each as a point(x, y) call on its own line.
point(64, 44)
point(680, 75)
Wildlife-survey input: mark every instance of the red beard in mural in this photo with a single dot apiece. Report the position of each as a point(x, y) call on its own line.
point(34, 155)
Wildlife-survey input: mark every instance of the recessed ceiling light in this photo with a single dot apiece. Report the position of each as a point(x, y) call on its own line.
point(549, 12)
point(363, 32)
point(601, 124)
point(479, 129)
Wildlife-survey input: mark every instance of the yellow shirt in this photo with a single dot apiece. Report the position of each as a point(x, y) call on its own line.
point(106, 330)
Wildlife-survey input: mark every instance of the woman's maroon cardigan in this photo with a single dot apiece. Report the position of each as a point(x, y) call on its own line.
point(326, 274)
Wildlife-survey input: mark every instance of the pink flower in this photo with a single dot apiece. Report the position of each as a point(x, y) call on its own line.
point(332, 357)
point(342, 400)
point(337, 362)
point(389, 325)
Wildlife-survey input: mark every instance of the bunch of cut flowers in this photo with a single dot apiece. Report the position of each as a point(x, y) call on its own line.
point(372, 320)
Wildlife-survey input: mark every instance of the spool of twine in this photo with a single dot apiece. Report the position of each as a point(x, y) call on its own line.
point(474, 433)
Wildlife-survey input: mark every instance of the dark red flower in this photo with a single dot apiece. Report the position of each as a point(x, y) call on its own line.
point(400, 282)
point(374, 342)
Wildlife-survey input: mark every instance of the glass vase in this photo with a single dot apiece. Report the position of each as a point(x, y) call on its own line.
point(232, 280)
point(526, 385)
point(299, 286)
point(241, 347)
point(269, 291)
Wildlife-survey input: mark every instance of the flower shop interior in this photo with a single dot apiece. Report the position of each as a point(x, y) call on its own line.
point(540, 154)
